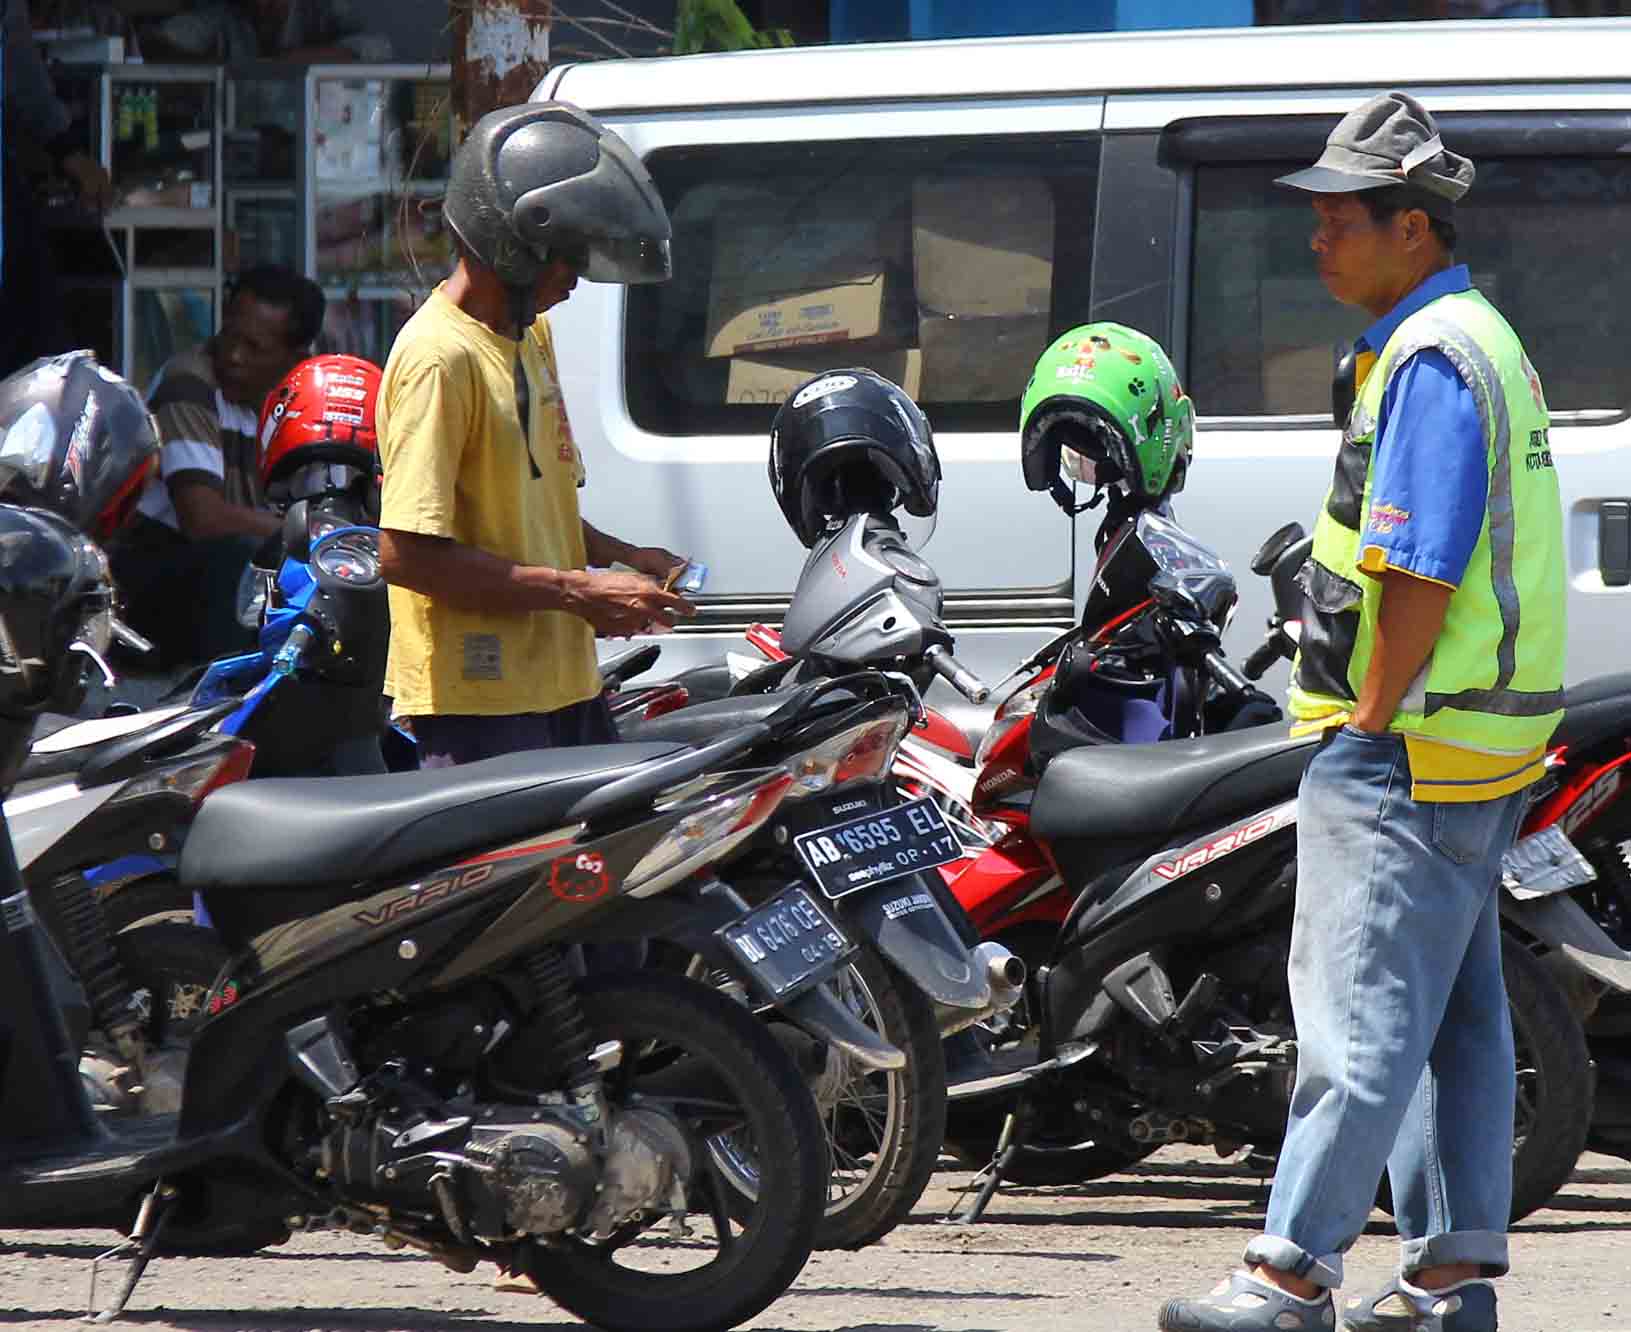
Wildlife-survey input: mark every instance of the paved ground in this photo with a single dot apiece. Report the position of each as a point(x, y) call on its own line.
point(1094, 1258)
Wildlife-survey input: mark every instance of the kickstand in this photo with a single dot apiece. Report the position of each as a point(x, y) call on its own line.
point(1016, 1130)
point(140, 1247)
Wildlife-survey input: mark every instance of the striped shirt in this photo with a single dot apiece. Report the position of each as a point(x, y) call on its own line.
point(203, 438)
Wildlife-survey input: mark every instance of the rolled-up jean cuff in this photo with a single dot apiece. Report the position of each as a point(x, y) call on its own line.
point(1289, 1257)
point(1486, 1248)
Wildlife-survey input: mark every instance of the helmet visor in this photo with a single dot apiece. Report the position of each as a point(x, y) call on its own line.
point(1078, 467)
point(917, 531)
point(630, 260)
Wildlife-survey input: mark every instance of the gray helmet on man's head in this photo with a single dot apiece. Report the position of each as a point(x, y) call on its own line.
point(545, 179)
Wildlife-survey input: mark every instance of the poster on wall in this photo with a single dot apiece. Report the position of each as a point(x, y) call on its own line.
point(350, 130)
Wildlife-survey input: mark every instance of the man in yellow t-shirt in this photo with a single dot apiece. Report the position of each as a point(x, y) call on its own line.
point(493, 609)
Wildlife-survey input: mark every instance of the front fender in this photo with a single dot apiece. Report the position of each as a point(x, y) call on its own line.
point(906, 922)
point(1561, 923)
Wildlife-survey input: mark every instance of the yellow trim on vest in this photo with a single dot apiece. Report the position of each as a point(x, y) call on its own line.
point(1449, 774)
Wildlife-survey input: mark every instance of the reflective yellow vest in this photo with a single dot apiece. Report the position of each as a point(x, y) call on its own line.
point(1493, 684)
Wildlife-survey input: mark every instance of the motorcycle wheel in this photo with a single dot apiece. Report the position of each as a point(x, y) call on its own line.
point(677, 1031)
point(1060, 1151)
point(884, 1130)
point(1553, 1111)
point(1063, 1148)
point(176, 964)
point(158, 897)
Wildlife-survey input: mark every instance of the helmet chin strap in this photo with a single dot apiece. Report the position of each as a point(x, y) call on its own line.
point(522, 312)
point(1065, 498)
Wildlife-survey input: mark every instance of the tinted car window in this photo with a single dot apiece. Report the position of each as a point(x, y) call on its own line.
point(1537, 233)
point(944, 264)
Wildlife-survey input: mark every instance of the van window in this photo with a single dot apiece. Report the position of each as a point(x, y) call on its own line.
point(943, 264)
point(1538, 234)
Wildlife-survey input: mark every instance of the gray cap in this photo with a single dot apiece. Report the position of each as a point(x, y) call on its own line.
point(1390, 140)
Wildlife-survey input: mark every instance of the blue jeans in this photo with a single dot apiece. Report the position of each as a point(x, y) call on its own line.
point(1404, 1053)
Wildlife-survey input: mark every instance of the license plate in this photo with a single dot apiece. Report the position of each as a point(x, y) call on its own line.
point(877, 847)
point(788, 943)
point(1544, 863)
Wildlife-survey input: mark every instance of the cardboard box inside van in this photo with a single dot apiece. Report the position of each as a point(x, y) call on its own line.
point(823, 276)
point(979, 358)
point(769, 379)
point(986, 253)
point(749, 317)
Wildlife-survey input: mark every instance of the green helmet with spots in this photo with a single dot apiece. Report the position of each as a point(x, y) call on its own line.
point(1104, 406)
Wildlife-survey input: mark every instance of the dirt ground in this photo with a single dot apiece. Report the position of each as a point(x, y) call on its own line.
point(1093, 1258)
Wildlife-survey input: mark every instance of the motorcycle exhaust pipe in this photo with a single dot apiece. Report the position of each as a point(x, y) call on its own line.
point(1005, 975)
point(1003, 969)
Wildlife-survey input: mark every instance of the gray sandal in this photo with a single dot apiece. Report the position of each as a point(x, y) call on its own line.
point(1242, 1303)
point(1467, 1306)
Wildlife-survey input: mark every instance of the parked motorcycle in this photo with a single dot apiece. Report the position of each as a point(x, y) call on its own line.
point(407, 1054)
point(1038, 757)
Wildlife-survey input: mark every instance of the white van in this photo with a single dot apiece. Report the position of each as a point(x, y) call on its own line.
point(938, 210)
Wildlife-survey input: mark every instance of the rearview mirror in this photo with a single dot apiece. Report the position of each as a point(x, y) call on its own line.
point(1274, 547)
point(297, 532)
point(1288, 597)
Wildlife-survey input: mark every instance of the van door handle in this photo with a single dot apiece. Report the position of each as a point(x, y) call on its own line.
point(1614, 542)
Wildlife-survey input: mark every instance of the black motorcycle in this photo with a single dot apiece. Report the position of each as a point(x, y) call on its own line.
point(400, 1046)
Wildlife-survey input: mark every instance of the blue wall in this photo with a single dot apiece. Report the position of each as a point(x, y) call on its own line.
point(888, 20)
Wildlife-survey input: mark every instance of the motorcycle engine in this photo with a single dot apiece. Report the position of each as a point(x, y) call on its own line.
point(502, 1171)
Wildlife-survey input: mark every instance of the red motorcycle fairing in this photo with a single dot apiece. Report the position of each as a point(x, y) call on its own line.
point(937, 730)
point(1581, 797)
point(1010, 883)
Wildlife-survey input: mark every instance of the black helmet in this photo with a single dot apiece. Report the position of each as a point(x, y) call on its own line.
point(545, 179)
point(848, 442)
point(54, 591)
point(75, 440)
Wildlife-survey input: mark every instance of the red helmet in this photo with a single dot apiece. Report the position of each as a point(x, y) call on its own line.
point(322, 413)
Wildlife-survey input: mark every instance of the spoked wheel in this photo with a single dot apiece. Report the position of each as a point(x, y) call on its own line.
point(1552, 1111)
point(710, 1063)
point(884, 1129)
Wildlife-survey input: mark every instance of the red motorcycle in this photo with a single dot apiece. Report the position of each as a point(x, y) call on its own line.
point(1568, 882)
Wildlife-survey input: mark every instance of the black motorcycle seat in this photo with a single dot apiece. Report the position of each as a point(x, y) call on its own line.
point(1117, 792)
point(1595, 710)
point(702, 722)
point(311, 832)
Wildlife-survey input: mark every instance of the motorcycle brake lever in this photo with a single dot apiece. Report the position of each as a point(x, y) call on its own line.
point(916, 712)
point(128, 636)
point(109, 679)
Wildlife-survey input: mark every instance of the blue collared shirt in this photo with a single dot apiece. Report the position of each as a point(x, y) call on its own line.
point(1430, 466)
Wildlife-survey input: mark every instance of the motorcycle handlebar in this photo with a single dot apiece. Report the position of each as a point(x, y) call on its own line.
point(958, 676)
point(288, 656)
point(1224, 672)
point(1263, 656)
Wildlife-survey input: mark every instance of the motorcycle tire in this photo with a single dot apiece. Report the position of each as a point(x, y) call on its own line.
point(155, 898)
point(1052, 1157)
point(176, 964)
point(1554, 1102)
point(745, 1065)
point(878, 1171)
point(1061, 1150)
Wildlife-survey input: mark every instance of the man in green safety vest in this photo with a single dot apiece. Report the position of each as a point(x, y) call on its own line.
point(1432, 660)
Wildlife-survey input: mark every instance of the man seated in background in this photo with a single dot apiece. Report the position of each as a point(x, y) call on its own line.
point(314, 32)
point(204, 515)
